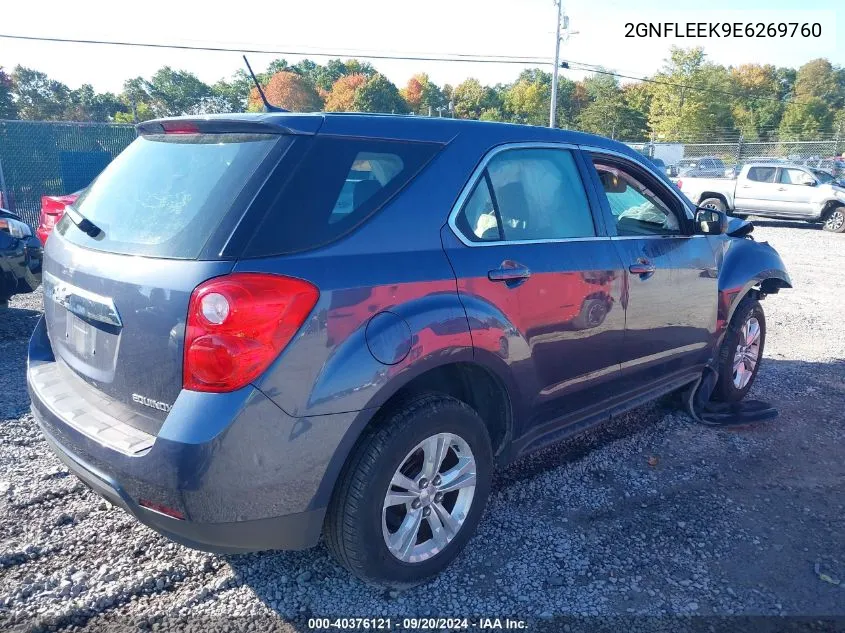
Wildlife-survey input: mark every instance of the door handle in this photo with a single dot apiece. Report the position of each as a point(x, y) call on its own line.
point(509, 272)
point(643, 268)
point(781, 188)
point(746, 186)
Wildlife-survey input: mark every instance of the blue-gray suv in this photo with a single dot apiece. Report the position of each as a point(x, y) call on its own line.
point(263, 328)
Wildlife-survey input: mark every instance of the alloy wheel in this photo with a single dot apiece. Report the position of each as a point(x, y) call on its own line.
point(835, 220)
point(747, 353)
point(429, 498)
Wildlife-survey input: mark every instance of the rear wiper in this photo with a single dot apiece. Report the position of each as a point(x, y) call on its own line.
point(85, 225)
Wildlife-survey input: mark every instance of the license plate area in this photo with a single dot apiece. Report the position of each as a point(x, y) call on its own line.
point(81, 337)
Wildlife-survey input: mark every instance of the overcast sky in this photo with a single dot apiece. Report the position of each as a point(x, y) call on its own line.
point(479, 27)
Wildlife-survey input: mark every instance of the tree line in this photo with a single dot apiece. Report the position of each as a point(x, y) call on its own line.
point(688, 99)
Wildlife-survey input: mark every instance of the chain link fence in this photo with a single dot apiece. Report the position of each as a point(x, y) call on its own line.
point(813, 153)
point(52, 158)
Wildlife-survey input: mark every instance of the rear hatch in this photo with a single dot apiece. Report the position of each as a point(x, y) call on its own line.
point(134, 246)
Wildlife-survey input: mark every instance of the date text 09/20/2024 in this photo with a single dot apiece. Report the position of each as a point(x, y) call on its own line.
point(416, 624)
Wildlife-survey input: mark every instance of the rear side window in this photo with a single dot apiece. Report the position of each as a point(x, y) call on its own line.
point(338, 184)
point(165, 194)
point(762, 174)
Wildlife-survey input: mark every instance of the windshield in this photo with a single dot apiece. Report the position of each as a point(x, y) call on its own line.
point(165, 194)
point(822, 176)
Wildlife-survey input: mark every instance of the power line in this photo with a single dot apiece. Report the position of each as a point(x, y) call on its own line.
point(456, 57)
point(451, 57)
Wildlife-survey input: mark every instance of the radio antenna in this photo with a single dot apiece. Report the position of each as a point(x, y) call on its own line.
point(268, 107)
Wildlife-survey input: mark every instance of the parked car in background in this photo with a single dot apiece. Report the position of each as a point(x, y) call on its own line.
point(704, 167)
point(244, 350)
point(775, 190)
point(20, 257)
point(52, 210)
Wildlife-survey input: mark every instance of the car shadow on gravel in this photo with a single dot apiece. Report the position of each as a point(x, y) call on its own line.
point(699, 471)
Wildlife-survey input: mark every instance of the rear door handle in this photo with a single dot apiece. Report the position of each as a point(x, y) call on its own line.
point(509, 272)
point(781, 188)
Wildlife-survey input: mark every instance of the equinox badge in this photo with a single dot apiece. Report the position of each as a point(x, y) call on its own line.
point(149, 402)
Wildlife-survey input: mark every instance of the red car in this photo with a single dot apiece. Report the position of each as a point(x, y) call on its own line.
point(52, 210)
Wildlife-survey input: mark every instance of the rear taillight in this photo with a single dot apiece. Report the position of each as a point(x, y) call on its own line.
point(238, 324)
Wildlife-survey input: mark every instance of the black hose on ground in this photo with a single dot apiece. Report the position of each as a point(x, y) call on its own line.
point(705, 411)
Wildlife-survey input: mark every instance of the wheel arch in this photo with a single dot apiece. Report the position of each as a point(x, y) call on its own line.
point(478, 385)
point(714, 194)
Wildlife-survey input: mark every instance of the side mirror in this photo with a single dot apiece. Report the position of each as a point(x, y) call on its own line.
point(808, 180)
point(710, 222)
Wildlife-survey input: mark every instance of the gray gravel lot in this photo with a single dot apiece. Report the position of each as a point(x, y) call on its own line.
point(650, 515)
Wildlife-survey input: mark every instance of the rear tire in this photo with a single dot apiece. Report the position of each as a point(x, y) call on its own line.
point(741, 352)
point(835, 220)
point(361, 519)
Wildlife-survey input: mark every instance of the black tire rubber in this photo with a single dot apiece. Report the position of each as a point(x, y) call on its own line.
point(829, 227)
point(353, 529)
point(717, 203)
point(725, 390)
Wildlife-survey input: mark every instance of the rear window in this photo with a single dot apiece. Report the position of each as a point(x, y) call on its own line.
point(165, 194)
point(337, 185)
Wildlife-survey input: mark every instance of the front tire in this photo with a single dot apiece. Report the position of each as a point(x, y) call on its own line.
point(713, 203)
point(412, 493)
point(741, 351)
point(835, 220)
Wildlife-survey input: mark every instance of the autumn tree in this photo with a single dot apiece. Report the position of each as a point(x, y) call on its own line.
point(341, 97)
point(528, 101)
point(290, 91)
point(757, 109)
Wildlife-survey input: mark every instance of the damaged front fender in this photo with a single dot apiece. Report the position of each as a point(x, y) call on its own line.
point(746, 265)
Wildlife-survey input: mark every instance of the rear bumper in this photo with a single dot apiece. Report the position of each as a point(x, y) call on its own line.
point(246, 476)
point(294, 531)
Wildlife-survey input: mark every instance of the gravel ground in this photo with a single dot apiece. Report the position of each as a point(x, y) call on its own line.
point(650, 515)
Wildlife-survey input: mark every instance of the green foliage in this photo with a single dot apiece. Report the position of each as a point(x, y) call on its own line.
point(378, 94)
point(689, 99)
point(39, 98)
point(8, 110)
point(806, 119)
point(470, 99)
point(686, 104)
point(175, 92)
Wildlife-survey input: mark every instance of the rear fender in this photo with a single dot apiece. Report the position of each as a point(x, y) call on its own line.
point(389, 350)
point(746, 265)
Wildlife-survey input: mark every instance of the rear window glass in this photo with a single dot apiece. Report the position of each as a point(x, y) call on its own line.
point(337, 185)
point(165, 194)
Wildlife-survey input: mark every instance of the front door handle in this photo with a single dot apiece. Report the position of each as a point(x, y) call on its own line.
point(509, 272)
point(643, 268)
point(781, 188)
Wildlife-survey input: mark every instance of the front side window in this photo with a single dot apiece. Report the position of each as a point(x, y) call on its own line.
point(762, 174)
point(528, 195)
point(793, 176)
point(637, 209)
